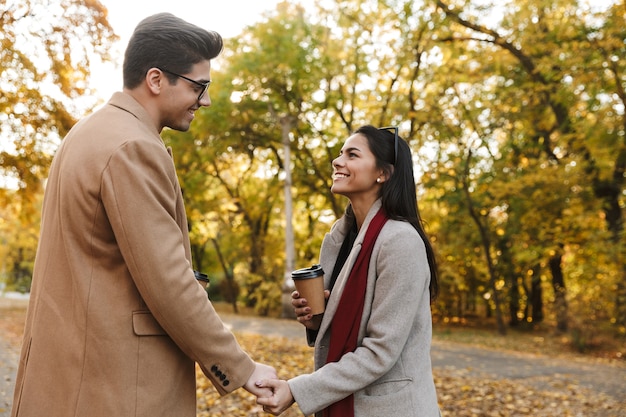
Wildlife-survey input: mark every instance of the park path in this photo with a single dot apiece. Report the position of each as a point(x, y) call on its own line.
point(539, 370)
point(536, 370)
point(9, 357)
point(8, 368)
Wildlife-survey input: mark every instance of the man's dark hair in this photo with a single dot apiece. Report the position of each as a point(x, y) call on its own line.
point(166, 41)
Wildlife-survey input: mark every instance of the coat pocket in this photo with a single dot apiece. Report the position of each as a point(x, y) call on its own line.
point(144, 324)
point(387, 387)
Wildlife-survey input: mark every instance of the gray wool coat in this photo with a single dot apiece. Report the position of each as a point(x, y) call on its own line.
point(390, 372)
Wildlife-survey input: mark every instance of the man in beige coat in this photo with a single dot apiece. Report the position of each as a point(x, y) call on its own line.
point(116, 320)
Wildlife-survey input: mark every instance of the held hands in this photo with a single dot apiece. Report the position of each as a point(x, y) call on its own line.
point(272, 393)
point(303, 311)
point(280, 400)
point(261, 372)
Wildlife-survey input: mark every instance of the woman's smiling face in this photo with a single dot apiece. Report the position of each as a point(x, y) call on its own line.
point(355, 172)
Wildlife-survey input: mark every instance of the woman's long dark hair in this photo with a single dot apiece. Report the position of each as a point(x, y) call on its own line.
point(398, 194)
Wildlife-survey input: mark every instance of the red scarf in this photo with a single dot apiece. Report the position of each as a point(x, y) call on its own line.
point(347, 320)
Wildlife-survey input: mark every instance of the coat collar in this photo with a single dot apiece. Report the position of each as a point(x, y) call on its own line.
point(127, 103)
point(345, 272)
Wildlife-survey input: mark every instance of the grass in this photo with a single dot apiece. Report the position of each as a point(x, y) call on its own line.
point(541, 339)
point(600, 344)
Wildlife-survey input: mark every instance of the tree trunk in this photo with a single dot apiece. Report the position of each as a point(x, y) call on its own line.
point(472, 285)
point(287, 123)
point(514, 304)
point(505, 269)
point(231, 290)
point(536, 296)
point(486, 243)
point(558, 283)
point(620, 300)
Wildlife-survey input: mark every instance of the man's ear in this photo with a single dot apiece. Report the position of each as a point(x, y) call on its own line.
point(154, 80)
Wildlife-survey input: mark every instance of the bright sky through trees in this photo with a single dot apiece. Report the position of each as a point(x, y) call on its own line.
point(227, 18)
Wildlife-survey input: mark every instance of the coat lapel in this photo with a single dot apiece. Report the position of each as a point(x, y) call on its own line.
point(335, 296)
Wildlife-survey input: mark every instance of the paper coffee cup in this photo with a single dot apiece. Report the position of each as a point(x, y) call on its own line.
point(310, 284)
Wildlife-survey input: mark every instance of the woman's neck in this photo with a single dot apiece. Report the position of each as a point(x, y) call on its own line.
point(360, 210)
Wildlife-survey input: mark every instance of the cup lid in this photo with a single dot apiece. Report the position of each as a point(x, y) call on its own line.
point(304, 273)
point(200, 276)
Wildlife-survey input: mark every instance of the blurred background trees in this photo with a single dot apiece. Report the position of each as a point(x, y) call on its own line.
point(46, 48)
point(515, 112)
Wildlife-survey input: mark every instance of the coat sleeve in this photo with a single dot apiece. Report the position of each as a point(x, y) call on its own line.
point(140, 193)
point(400, 270)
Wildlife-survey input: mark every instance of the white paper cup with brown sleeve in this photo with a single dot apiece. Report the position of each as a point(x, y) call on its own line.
point(309, 283)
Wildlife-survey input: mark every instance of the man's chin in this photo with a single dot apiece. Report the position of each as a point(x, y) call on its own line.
point(180, 127)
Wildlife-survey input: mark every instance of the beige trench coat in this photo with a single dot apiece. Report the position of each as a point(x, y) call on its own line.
point(116, 320)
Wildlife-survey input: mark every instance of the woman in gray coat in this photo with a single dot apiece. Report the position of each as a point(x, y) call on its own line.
point(372, 344)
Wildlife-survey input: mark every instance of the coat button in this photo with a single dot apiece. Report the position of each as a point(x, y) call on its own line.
point(226, 383)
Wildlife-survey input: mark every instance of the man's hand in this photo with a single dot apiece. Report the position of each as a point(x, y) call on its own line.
point(280, 401)
point(261, 372)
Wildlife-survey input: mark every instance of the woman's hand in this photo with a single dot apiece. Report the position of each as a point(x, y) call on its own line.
point(303, 311)
point(280, 400)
